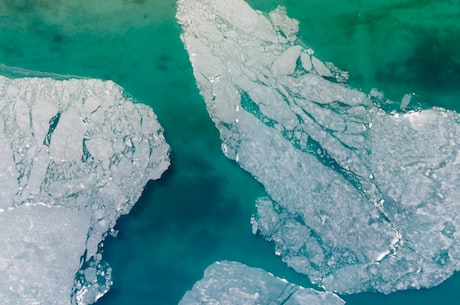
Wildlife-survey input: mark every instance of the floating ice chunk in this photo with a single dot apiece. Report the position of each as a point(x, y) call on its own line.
point(406, 101)
point(320, 67)
point(359, 199)
point(286, 63)
point(306, 61)
point(75, 156)
point(234, 283)
point(375, 93)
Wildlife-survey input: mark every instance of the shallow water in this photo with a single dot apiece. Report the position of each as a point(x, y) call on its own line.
point(199, 211)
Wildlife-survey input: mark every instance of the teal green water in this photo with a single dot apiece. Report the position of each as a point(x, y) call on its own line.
point(199, 211)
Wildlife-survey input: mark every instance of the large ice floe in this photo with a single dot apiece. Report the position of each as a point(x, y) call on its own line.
point(75, 155)
point(359, 198)
point(230, 283)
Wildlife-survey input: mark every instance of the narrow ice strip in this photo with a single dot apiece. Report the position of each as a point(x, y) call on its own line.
point(76, 154)
point(359, 199)
point(229, 282)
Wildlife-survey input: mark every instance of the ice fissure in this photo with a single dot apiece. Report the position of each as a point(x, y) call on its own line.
point(75, 155)
point(359, 198)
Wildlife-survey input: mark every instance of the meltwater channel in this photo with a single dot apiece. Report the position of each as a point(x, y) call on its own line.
point(199, 211)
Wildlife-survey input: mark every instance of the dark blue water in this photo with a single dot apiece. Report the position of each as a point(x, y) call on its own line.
point(199, 212)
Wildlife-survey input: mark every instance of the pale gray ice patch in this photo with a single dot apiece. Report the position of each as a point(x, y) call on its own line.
point(359, 199)
point(40, 253)
point(75, 155)
point(231, 283)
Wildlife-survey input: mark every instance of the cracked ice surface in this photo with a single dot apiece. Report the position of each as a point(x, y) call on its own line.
point(229, 282)
point(75, 155)
point(360, 199)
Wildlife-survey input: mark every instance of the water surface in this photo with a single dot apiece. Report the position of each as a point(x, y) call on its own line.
point(199, 211)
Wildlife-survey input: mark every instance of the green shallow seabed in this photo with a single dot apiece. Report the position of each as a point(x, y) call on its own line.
point(199, 211)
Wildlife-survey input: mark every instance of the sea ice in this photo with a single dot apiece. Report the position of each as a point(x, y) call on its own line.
point(359, 198)
point(75, 155)
point(229, 283)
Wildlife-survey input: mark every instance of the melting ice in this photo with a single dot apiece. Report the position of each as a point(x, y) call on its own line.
point(359, 199)
point(75, 155)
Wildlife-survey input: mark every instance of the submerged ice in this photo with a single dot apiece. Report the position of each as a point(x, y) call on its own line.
point(359, 198)
point(229, 282)
point(75, 155)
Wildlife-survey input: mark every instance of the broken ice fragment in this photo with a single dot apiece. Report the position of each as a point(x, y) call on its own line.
point(405, 101)
point(234, 283)
point(75, 155)
point(357, 197)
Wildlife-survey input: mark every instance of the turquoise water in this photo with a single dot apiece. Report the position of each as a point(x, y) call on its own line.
point(199, 211)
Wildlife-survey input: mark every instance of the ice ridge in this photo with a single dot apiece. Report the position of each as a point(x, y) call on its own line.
point(359, 199)
point(75, 155)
